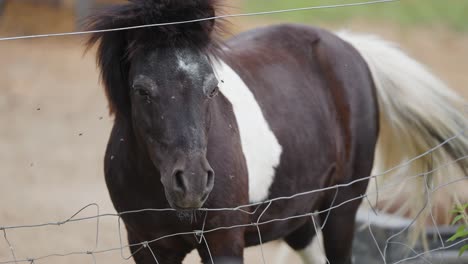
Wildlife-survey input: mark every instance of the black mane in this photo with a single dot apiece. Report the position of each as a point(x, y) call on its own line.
point(116, 48)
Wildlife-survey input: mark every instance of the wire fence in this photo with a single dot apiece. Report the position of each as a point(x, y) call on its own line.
point(200, 234)
point(259, 208)
point(199, 20)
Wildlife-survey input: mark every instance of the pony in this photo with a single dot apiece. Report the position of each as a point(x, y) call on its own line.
point(203, 126)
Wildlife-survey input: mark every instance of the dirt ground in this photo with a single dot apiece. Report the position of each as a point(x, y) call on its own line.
point(54, 127)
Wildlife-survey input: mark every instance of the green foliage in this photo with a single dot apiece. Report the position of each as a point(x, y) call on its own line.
point(450, 13)
point(462, 231)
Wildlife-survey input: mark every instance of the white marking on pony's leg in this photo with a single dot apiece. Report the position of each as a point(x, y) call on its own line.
point(283, 253)
point(313, 253)
point(260, 146)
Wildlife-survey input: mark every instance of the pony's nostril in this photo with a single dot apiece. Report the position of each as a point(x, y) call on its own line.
point(205, 196)
point(210, 180)
point(209, 185)
point(179, 181)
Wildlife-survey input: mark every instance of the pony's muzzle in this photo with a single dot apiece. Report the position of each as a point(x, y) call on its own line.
point(191, 185)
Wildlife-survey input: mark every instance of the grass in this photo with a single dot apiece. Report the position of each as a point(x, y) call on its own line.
point(449, 13)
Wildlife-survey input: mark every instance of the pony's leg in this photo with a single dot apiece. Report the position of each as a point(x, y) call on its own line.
point(302, 239)
point(338, 231)
point(223, 247)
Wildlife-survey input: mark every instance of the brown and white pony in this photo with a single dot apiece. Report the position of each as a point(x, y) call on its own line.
point(272, 112)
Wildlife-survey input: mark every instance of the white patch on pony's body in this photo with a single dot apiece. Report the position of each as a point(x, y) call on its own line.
point(260, 146)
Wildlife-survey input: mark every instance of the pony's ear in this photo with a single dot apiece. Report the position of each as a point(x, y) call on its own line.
point(111, 58)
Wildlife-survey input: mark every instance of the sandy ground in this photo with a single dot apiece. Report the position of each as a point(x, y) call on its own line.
point(54, 127)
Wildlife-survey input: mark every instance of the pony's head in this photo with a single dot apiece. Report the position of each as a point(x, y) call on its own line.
point(161, 79)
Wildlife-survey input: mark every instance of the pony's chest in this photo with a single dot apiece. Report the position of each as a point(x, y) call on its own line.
point(260, 145)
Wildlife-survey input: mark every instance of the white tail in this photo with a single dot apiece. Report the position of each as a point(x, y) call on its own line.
point(419, 116)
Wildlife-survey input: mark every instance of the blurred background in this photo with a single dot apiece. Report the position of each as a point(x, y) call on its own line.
point(54, 122)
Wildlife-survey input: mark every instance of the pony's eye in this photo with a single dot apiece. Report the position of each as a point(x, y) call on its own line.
point(141, 91)
point(214, 92)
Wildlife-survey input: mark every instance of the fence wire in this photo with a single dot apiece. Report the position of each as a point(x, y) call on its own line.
point(199, 20)
point(200, 234)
